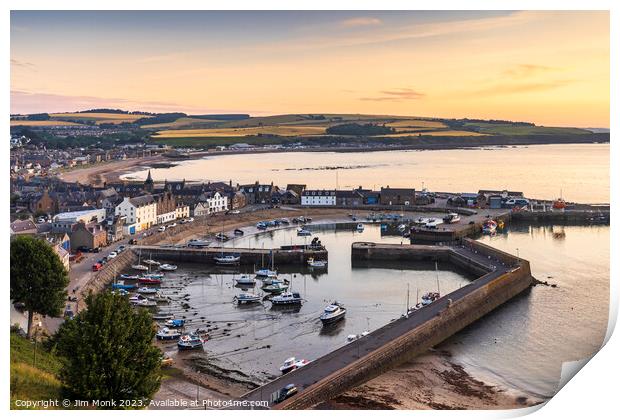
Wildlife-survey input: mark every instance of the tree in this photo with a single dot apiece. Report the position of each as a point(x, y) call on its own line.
point(38, 277)
point(109, 352)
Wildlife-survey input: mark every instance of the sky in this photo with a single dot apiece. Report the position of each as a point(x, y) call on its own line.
point(550, 68)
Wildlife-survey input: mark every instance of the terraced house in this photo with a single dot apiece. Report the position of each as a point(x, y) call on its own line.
point(141, 212)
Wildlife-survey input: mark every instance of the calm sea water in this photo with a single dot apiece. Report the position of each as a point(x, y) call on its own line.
point(579, 171)
point(522, 344)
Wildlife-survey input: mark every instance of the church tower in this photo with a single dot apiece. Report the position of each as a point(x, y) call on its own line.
point(148, 184)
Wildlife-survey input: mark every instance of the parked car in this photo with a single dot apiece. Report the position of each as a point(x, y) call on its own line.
point(286, 392)
point(112, 255)
point(133, 242)
point(162, 229)
point(190, 220)
point(97, 266)
point(122, 248)
point(171, 225)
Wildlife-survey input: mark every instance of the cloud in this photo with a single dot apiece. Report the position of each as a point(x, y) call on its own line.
point(522, 71)
point(23, 64)
point(396, 95)
point(25, 102)
point(361, 21)
point(517, 88)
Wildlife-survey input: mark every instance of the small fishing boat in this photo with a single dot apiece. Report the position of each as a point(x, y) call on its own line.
point(122, 286)
point(265, 272)
point(303, 232)
point(275, 288)
point(421, 221)
point(452, 218)
point(489, 227)
point(228, 259)
point(167, 334)
point(190, 342)
point(333, 313)
point(360, 227)
point(153, 275)
point(147, 290)
point(129, 277)
point(247, 298)
point(271, 280)
point(175, 323)
point(140, 267)
point(162, 316)
point(428, 298)
point(148, 280)
point(245, 280)
point(239, 232)
point(292, 363)
point(146, 303)
point(167, 267)
point(317, 263)
point(287, 298)
point(151, 262)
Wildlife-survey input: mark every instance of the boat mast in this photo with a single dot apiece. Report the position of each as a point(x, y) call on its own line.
point(407, 311)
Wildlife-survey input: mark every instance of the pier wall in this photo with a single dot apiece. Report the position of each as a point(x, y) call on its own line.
point(483, 296)
point(248, 255)
point(102, 278)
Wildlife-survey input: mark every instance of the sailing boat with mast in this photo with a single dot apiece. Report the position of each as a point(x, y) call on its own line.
point(140, 267)
point(227, 259)
point(266, 272)
point(431, 297)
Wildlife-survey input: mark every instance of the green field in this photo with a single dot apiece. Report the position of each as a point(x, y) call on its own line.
point(521, 130)
point(30, 382)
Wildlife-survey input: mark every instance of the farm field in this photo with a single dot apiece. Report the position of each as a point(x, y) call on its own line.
point(48, 123)
point(241, 132)
point(406, 125)
point(456, 133)
point(183, 123)
point(521, 130)
point(99, 117)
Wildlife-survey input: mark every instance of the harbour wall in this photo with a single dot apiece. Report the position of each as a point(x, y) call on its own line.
point(482, 296)
point(102, 278)
point(248, 255)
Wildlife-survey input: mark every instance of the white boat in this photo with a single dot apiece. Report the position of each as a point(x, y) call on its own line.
point(265, 272)
point(428, 298)
point(151, 262)
point(275, 288)
point(242, 298)
point(452, 218)
point(158, 276)
point(402, 227)
point(245, 280)
point(333, 313)
point(433, 223)
point(147, 290)
point(303, 232)
point(317, 263)
point(167, 267)
point(421, 220)
point(292, 363)
point(271, 280)
point(360, 227)
point(227, 259)
point(146, 303)
point(189, 342)
point(167, 334)
point(287, 298)
point(140, 267)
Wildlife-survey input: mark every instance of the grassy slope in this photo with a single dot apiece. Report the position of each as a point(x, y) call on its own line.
point(28, 382)
point(98, 117)
point(518, 130)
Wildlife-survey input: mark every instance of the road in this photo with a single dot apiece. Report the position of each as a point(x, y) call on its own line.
point(342, 357)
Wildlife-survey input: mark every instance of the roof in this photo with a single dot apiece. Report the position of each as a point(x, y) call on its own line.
point(142, 200)
point(20, 226)
point(75, 214)
point(398, 190)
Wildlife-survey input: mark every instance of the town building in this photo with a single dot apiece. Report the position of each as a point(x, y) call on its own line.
point(64, 222)
point(140, 212)
point(397, 196)
point(91, 235)
point(210, 203)
point(318, 198)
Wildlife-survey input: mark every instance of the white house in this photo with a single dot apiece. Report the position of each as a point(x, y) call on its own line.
point(318, 198)
point(211, 203)
point(140, 211)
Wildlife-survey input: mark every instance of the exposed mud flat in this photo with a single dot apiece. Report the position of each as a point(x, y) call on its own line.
point(430, 382)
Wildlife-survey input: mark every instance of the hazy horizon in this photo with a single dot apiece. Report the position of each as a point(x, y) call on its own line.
point(549, 68)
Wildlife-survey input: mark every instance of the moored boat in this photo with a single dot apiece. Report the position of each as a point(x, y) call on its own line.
point(149, 280)
point(167, 267)
point(129, 276)
point(452, 218)
point(287, 298)
point(146, 303)
point(247, 298)
point(333, 313)
point(489, 227)
point(140, 267)
point(151, 262)
point(292, 363)
point(275, 288)
point(228, 259)
point(122, 286)
point(167, 334)
point(245, 280)
point(317, 263)
point(175, 323)
point(265, 272)
point(429, 298)
point(189, 342)
point(147, 290)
